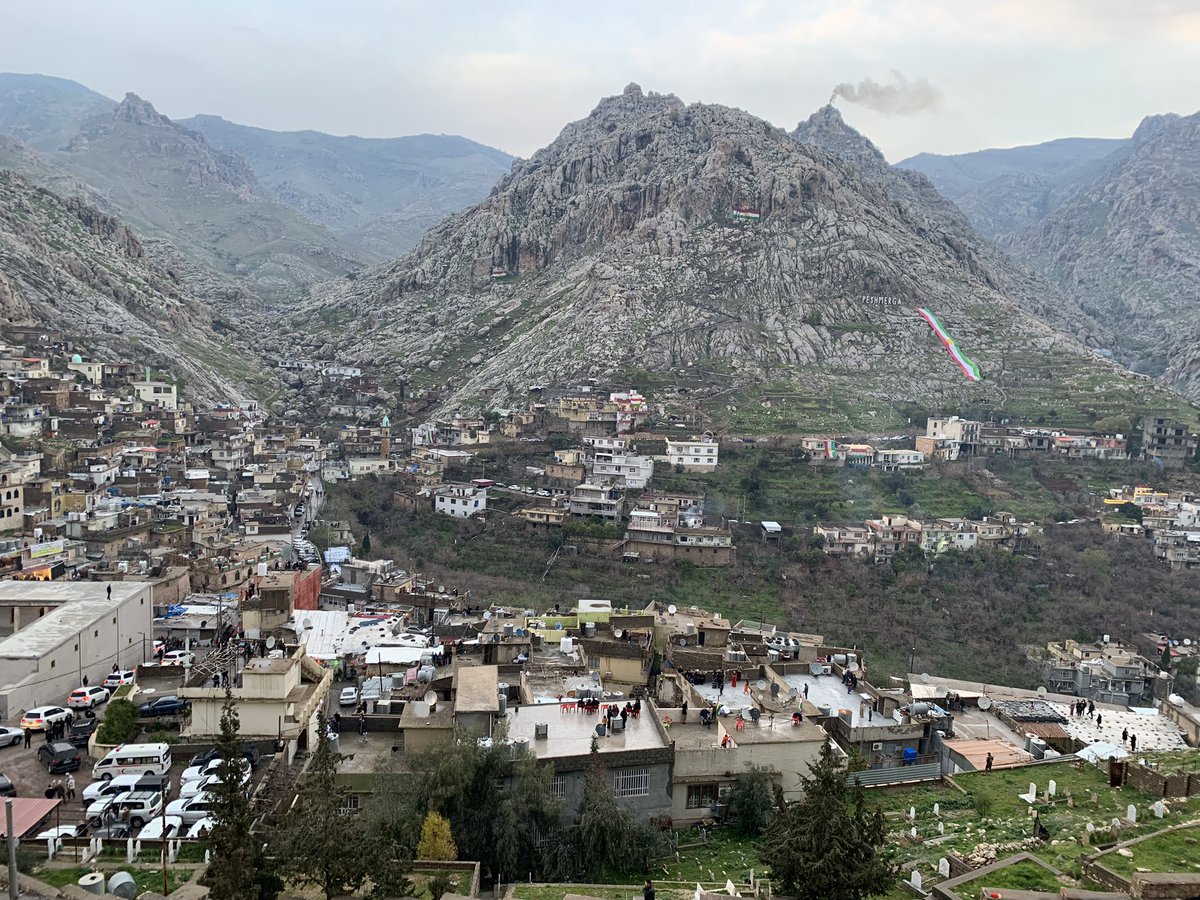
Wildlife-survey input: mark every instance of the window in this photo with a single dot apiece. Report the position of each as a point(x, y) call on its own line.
point(349, 805)
point(558, 787)
point(632, 782)
point(701, 796)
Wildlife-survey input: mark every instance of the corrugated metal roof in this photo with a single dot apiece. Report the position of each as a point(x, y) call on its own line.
point(1044, 730)
point(28, 814)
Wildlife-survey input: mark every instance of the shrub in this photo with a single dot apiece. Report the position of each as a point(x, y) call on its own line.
point(120, 723)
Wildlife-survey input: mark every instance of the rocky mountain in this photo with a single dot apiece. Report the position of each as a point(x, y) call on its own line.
point(378, 195)
point(88, 275)
point(45, 112)
point(1006, 191)
point(665, 242)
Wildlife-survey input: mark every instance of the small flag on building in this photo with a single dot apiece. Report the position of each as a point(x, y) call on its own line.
point(746, 212)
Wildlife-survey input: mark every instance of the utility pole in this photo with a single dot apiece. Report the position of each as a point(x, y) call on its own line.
point(912, 658)
point(14, 888)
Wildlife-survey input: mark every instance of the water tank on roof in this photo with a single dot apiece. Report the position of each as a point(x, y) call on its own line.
point(839, 658)
point(521, 745)
point(503, 698)
point(589, 629)
point(919, 709)
point(425, 674)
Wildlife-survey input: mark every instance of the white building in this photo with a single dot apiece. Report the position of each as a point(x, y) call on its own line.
point(891, 460)
point(158, 393)
point(696, 454)
point(59, 631)
point(460, 500)
point(623, 468)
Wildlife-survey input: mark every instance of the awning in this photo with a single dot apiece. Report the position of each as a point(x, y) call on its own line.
point(28, 814)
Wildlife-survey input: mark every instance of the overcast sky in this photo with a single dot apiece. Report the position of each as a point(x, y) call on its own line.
point(510, 74)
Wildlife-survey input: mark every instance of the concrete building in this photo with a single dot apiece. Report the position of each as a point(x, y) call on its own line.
point(460, 500)
point(955, 431)
point(602, 501)
point(158, 393)
point(1105, 672)
point(696, 454)
point(58, 632)
point(278, 698)
point(1168, 441)
point(634, 472)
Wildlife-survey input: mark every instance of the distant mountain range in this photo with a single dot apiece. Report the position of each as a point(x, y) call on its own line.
point(1114, 224)
point(276, 210)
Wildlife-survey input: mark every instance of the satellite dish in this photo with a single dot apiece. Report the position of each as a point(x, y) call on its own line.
point(671, 610)
point(762, 684)
point(985, 703)
point(617, 633)
point(306, 624)
point(1042, 691)
point(694, 608)
point(1187, 642)
point(431, 697)
point(792, 692)
point(924, 678)
point(486, 615)
point(754, 713)
point(270, 642)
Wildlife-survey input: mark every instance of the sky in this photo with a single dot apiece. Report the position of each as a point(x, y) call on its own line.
point(511, 74)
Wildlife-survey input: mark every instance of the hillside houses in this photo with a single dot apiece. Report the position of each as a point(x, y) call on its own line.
point(880, 539)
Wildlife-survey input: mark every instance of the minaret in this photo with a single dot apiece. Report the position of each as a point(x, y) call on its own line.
point(385, 438)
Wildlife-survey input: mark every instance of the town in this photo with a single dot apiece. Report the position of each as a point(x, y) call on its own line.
point(165, 563)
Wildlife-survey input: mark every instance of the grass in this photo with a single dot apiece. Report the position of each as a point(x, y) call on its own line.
point(727, 855)
point(1021, 876)
point(558, 891)
point(1175, 851)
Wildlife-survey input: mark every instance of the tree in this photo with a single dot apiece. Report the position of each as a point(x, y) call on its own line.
point(237, 870)
point(830, 845)
point(119, 724)
point(390, 826)
point(752, 799)
point(316, 842)
point(436, 840)
point(609, 839)
point(527, 811)
point(366, 543)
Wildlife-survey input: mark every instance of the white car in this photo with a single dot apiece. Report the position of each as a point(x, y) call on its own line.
point(201, 828)
point(158, 828)
point(192, 809)
point(179, 658)
point(110, 788)
point(205, 785)
point(514, 487)
point(60, 831)
point(543, 493)
point(39, 717)
point(212, 767)
point(348, 697)
point(87, 697)
point(117, 679)
point(10, 737)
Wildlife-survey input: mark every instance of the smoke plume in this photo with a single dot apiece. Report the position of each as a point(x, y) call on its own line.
point(902, 97)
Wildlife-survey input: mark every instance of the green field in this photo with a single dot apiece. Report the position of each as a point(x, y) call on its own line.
point(1175, 851)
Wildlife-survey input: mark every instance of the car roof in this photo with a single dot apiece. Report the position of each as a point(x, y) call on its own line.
point(63, 745)
point(36, 710)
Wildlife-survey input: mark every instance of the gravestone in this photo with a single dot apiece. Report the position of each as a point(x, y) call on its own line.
point(1052, 790)
point(944, 867)
point(912, 814)
point(941, 827)
point(1158, 809)
point(937, 809)
point(1030, 797)
point(1131, 814)
point(915, 880)
point(912, 832)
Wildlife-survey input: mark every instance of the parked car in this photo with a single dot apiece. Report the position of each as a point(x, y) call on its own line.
point(116, 679)
point(192, 809)
point(178, 658)
point(60, 756)
point(39, 717)
point(10, 737)
point(206, 784)
point(349, 697)
point(201, 828)
point(87, 697)
point(197, 773)
point(117, 831)
point(514, 487)
point(61, 831)
point(169, 705)
point(249, 753)
point(7, 788)
point(118, 785)
point(161, 827)
point(138, 807)
point(81, 730)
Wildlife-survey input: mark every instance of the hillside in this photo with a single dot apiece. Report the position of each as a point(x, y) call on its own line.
point(379, 195)
point(88, 276)
point(696, 244)
point(1005, 191)
point(46, 112)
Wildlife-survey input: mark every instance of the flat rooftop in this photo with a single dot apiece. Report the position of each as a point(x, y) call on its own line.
point(477, 689)
point(691, 735)
point(78, 604)
point(1153, 731)
point(570, 733)
point(828, 690)
point(367, 757)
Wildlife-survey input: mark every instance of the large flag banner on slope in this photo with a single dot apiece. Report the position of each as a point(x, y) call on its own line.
point(968, 368)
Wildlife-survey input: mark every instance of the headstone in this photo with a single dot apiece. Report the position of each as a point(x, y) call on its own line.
point(944, 867)
point(1053, 788)
point(129, 854)
point(50, 847)
point(1086, 837)
point(937, 809)
point(912, 814)
point(915, 880)
point(1116, 823)
point(1158, 809)
point(941, 827)
point(912, 832)
point(1090, 827)
point(1131, 813)
point(1031, 796)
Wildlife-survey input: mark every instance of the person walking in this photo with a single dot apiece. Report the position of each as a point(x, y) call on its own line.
point(28, 737)
point(987, 765)
point(70, 786)
point(648, 890)
point(362, 728)
point(683, 710)
point(1124, 735)
point(1133, 742)
point(1097, 720)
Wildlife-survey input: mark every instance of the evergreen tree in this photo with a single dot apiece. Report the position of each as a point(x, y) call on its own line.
point(752, 800)
point(830, 845)
point(316, 842)
point(366, 544)
point(390, 825)
point(237, 869)
point(527, 816)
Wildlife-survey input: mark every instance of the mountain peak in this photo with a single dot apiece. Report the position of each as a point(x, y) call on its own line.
point(827, 129)
point(141, 112)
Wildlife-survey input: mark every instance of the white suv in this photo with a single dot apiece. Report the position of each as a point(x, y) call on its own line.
point(87, 697)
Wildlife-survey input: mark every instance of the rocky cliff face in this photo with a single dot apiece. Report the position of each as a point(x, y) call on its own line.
point(652, 236)
point(87, 275)
point(1126, 246)
point(44, 112)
